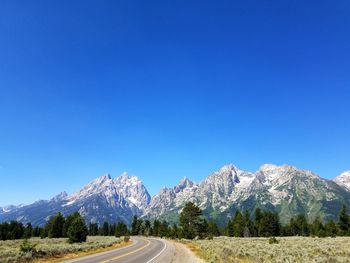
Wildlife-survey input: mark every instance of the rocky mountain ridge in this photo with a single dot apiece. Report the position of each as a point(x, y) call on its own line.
point(284, 189)
point(103, 199)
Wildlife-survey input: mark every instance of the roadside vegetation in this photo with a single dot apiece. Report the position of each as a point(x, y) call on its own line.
point(261, 224)
point(286, 249)
point(46, 249)
point(59, 237)
point(72, 227)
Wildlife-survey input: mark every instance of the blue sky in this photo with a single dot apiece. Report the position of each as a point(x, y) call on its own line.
point(166, 89)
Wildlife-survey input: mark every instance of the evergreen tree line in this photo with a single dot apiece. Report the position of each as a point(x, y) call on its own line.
point(15, 230)
point(192, 224)
point(266, 223)
point(73, 227)
point(118, 230)
point(260, 224)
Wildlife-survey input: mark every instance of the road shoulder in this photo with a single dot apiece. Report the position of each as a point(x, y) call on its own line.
point(183, 254)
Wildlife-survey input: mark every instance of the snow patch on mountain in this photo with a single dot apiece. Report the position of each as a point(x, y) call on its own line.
point(270, 186)
point(343, 180)
point(285, 188)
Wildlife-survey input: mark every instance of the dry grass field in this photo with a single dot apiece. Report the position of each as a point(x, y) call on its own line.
point(52, 249)
point(288, 249)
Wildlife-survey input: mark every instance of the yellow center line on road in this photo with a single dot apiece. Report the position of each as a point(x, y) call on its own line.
point(129, 253)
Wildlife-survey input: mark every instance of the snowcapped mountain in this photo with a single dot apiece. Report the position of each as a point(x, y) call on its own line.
point(104, 199)
point(9, 208)
point(284, 189)
point(61, 196)
point(170, 199)
point(132, 189)
point(343, 180)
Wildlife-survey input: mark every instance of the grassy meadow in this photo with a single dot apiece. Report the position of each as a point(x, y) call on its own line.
point(288, 249)
point(52, 249)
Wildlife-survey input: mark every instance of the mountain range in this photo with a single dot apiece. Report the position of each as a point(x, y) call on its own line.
point(285, 189)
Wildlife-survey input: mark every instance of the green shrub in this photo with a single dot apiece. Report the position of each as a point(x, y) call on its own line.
point(27, 247)
point(126, 239)
point(273, 240)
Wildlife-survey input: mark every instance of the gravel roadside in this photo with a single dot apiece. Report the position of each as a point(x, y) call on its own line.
point(183, 254)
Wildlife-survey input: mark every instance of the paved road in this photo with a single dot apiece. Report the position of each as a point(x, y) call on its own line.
point(142, 250)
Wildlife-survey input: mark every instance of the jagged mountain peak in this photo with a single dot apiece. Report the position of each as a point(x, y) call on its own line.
point(268, 167)
point(103, 199)
point(100, 185)
point(61, 196)
point(185, 182)
point(343, 180)
point(102, 179)
point(226, 174)
point(228, 168)
point(126, 178)
point(283, 172)
point(272, 186)
point(133, 190)
point(124, 188)
point(282, 188)
point(345, 174)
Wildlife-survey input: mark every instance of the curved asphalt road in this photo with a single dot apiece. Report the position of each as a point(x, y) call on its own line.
point(142, 250)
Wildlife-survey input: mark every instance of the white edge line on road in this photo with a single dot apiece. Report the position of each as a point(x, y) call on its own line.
point(164, 248)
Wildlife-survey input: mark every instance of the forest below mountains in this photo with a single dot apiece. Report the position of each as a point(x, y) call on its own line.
point(192, 225)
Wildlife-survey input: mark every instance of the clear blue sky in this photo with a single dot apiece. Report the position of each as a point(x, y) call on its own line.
point(166, 89)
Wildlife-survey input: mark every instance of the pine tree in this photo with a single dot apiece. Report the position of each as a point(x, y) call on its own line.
point(257, 218)
point(213, 229)
point(43, 232)
point(294, 228)
point(317, 228)
point(203, 229)
point(174, 232)
point(147, 228)
point(136, 226)
point(344, 222)
point(93, 229)
point(56, 226)
point(269, 225)
point(69, 221)
point(303, 225)
point(16, 230)
point(164, 229)
point(112, 228)
point(77, 231)
point(28, 231)
point(331, 229)
point(105, 229)
point(4, 231)
point(121, 229)
point(230, 231)
point(238, 224)
point(248, 225)
point(191, 220)
point(156, 227)
point(36, 231)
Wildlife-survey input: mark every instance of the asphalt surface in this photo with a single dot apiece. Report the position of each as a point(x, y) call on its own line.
point(142, 250)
